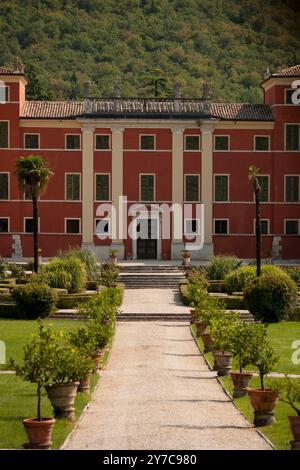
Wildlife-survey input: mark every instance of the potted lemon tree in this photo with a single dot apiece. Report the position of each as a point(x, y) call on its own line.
point(242, 350)
point(289, 390)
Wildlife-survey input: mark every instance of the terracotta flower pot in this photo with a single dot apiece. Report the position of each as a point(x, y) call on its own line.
point(200, 327)
point(98, 359)
point(214, 353)
point(113, 259)
point(224, 362)
point(263, 402)
point(39, 433)
point(295, 427)
point(207, 340)
point(241, 381)
point(62, 397)
point(85, 385)
point(193, 315)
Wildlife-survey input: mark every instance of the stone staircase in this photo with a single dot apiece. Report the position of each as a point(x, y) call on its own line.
point(151, 276)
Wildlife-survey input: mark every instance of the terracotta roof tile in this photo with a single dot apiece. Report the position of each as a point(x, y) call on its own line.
point(144, 107)
point(10, 71)
point(290, 72)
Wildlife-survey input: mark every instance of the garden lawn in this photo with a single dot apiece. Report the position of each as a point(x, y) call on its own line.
point(15, 334)
point(281, 336)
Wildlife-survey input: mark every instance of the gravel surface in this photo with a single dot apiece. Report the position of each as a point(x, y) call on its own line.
point(157, 393)
point(153, 301)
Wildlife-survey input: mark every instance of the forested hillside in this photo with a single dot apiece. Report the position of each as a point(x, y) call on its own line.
point(228, 43)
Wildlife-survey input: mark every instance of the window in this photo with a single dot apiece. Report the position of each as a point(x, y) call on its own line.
point(102, 227)
point(4, 225)
point(292, 188)
point(261, 143)
point(192, 142)
point(292, 227)
point(288, 96)
point(147, 187)
point(31, 141)
point(72, 225)
point(73, 187)
point(292, 136)
point(192, 188)
point(221, 227)
point(73, 141)
point(147, 142)
point(263, 182)
point(221, 188)
point(221, 142)
point(264, 226)
point(4, 94)
point(4, 134)
point(28, 225)
point(102, 142)
point(4, 186)
point(102, 187)
point(192, 227)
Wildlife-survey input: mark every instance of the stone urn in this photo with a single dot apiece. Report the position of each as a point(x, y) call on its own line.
point(263, 403)
point(62, 397)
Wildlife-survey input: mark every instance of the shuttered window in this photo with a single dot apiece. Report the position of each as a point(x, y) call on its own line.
point(147, 188)
point(147, 142)
point(72, 226)
point(292, 227)
point(292, 188)
point(32, 141)
point(221, 142)
point(73, 141)
point(3, 134)
point(263, 182)
point(4, 186)
point(192, 188)
point(192, 142)
point(73, 187)
point(221, 227)
point(102, 142)
point(292, 136)
point(102, 187)
point(3, 225)
point(261, 142)
point(221, 188)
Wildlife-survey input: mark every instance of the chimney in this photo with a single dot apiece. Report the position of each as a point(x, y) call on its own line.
point(117, 95)
point(205, 98)
point(87, 97)
point(177, 98)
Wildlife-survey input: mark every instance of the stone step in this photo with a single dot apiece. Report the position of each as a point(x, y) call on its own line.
point(151, 269)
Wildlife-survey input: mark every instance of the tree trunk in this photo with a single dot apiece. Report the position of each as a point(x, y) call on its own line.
point(39, 399)
point(35, 233)
point(258, 233)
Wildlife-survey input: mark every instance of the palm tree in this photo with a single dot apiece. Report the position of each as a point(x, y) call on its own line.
point(253, 177)
point(33, 175)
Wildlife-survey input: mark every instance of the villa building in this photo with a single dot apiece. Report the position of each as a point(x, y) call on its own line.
point(160, 151)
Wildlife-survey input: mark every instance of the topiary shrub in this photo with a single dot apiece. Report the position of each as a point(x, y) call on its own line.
point(220, 266)
point(109, 274)
point(271, 297)
point(69, 273)
point(237, 280)
point(294, 273)
point(197, 276)
point(87, 257)
point(34, 300)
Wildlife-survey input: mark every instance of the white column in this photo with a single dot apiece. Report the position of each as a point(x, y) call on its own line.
point(87, 187)
point(207, 187)
point(117, 185)
point(177, 186)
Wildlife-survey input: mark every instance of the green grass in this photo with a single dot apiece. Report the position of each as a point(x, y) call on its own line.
point(15, 334)
point(278, 433)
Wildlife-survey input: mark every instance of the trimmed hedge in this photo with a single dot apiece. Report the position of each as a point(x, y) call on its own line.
point(34, 300)
point(216, 286)
point(72, 300)
point(10, 311)
point(183, 291)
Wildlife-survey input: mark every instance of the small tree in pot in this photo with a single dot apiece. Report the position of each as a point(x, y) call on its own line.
point(113, 255)
point(290, 394)
point(222, 331)
point(186, 257)
point(39, 354)
point(263, 400)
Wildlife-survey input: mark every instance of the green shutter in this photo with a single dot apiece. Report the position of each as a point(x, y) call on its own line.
point(292, 137)
point(3, 186)
point(73, 187)
point(263, 182)
point(221, 188)
point(3, 134)
point(147, 187)
point(292, 188)
point(102, 187)
point(192, 188)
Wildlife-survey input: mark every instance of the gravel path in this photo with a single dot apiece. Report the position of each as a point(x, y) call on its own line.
point(157, 393)
point(153, 301)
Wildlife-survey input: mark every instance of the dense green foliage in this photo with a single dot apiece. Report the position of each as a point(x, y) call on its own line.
point(68, 273)
point(220, 266)
point(150, 45)
point(34, 300)
point(87, 257)
point(271, 297)
point(237, 280)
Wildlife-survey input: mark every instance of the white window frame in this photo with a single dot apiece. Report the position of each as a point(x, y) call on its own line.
point(109, 186)
point(198, 223)
point(140, 142)
point(269, 188)
point(254, 142)
point(290, 202)
point(8, 94)
point(72, 218)
point(291, 124)
point(8, 224)
point(32, 133)
point(24, 225)
point(8, 185)
point(291, 220)
point(199, 186)
point(8, 134)
point(214, 227)
point(285, 95)
point(228, 189)
point(262, 220)
point(140, 186)
point(222, 135)
point(102, 150)
point(102, 234)
point(192, 135)
point(80, 188)
point(80, 143)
